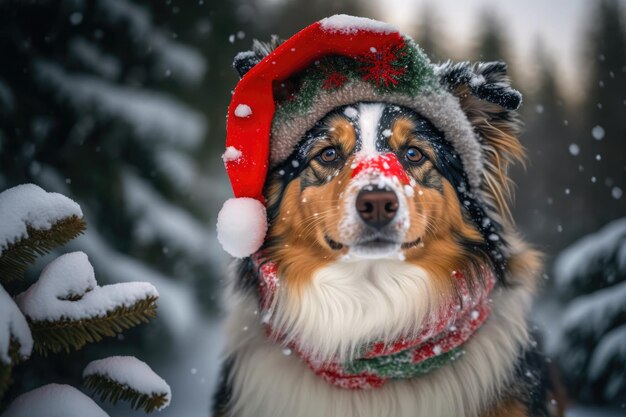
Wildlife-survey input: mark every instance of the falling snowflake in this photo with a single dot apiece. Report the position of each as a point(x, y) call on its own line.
point(597, 132)
point(574, 149)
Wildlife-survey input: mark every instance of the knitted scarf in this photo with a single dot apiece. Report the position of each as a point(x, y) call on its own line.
point(439, 343)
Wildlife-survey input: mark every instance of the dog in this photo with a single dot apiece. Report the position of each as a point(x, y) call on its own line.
point(391, 280)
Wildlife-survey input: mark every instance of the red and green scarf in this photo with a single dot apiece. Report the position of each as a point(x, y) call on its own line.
point(438, 344)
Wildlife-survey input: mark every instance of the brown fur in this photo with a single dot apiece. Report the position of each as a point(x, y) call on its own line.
point(443, 223)
point(508, 408)
point(307, 216)
point(501, 149)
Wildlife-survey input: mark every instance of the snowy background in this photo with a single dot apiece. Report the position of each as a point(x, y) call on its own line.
point(120, 105)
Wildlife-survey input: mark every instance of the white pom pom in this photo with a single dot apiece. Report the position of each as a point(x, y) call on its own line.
point(241, 226)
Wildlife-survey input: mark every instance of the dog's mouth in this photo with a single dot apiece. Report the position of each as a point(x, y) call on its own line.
point(334, 245)
point(375, 243)
point(409, 245)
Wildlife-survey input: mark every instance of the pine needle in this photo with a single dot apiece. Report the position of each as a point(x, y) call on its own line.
point(5, 378)
point(111, 390)
point(19, 255)
point(65, 335)
point(6, 369)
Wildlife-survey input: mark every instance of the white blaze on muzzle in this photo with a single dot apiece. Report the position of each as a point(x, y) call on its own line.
point(370, 173)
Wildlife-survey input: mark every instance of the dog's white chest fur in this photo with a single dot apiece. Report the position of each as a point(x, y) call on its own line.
point(270, 381)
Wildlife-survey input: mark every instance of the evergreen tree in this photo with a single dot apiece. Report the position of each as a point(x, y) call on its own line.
point(429, 36)
point(590, 279)
point(602, 136)
point(81, 113)
point(491, 42)
point(218, 30)
point(65, 310)
point(544, 208)
point(590, 275)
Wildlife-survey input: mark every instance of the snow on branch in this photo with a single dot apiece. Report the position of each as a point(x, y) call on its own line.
point(13, 330)
point(595, 261)
point(92, 59)
point(607, 363)
point(54, 400)
point(153, 117)
point(157, 219)
point(178, 168)
point(182, 63)
point(127, 378)
point(33, 223)
point(16, 341)
point(589, 316)
point(67, 309)
point(177, 303)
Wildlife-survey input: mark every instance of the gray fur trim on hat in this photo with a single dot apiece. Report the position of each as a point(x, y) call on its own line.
point(440, 107)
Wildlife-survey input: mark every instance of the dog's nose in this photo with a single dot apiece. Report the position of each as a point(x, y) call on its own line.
point(377, 207)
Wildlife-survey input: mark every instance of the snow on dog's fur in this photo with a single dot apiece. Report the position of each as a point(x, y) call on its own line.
point(344, 283)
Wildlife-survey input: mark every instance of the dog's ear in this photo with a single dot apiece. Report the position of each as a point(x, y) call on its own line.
point(490, 103)
point(245, 60)
point(484, 80)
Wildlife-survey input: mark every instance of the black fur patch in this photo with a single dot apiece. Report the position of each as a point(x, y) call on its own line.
point(432, 180)
point(532, 382)
point(247, 277)
point(245, 60)
point(450, 166)
point(486, 80)
point(224, 392)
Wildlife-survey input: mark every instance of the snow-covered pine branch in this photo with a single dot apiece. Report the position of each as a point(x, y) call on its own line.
point(16, 342)
point(587, 318)
point(54, 400)
point(13, 330)
point(171, 58)
point(596, 261)
point(66, 308)
point(177, 305)
point(606, 368)
point(591, 279)
point(33, 223)
point(157, 219)
point(152, 117)
point(109, 93)
point(128, 379)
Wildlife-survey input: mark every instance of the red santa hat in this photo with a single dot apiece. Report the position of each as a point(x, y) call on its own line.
point(337, 61)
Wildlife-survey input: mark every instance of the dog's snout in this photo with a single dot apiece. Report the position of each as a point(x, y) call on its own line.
point(377, 207)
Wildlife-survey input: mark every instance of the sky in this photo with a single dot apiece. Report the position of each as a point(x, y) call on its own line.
point(561, 25)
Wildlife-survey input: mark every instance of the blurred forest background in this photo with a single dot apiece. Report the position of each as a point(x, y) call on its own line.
point(120, 105)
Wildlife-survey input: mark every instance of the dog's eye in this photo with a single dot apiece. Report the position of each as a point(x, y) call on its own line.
point(328, 155)
point(413, 155)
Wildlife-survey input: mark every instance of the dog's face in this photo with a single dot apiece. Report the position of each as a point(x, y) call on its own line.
point(371, 181)
point(370, 223)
